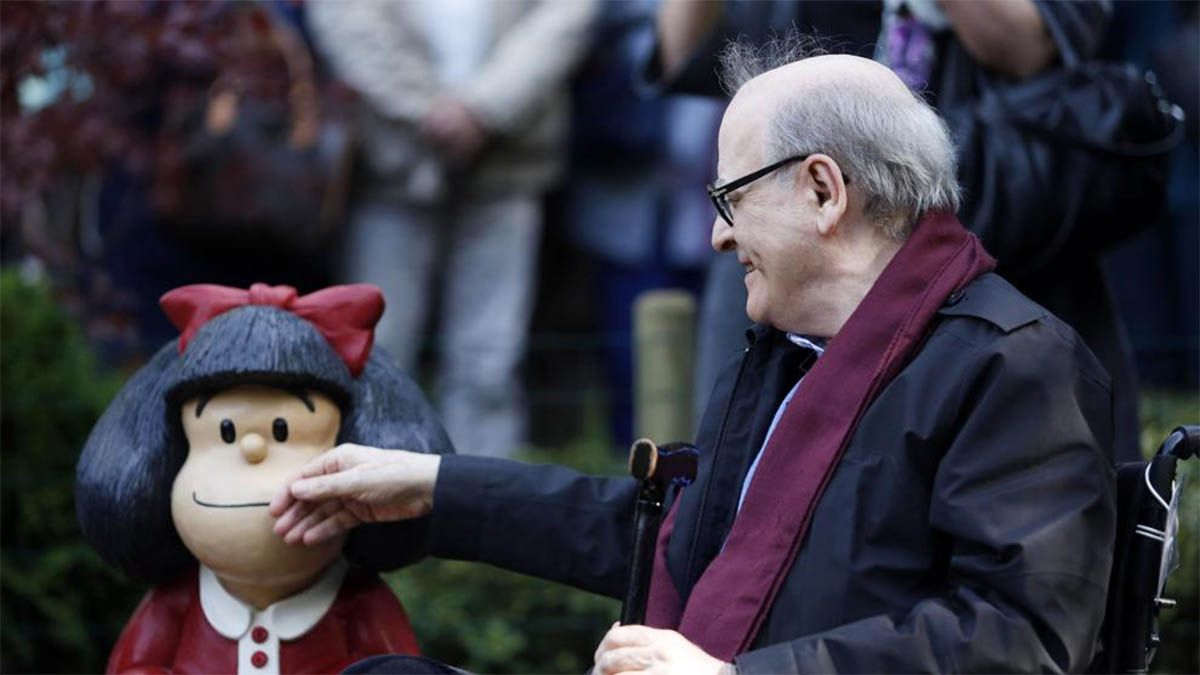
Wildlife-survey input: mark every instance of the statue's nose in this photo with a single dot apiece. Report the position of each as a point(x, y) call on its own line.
point(254, 448)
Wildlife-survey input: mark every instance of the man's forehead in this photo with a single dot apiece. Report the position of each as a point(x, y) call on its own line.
point(753, 107)
point(826, 70)
point(739, 140)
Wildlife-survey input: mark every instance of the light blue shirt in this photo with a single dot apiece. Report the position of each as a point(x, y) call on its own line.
point(800, 341)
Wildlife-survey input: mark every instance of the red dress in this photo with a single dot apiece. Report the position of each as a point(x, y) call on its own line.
point(170, 633)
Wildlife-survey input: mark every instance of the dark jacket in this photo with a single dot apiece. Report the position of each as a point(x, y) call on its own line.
point(968, 526)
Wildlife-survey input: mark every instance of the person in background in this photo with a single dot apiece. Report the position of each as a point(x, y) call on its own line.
point(464, 122)
point(938, 48)
point(1159, 289)
point(630, 200)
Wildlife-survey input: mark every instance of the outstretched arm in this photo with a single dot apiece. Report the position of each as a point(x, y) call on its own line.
point(546, 521)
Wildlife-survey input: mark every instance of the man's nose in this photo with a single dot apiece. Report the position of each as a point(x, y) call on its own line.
point(722, 235)
point(254, 448)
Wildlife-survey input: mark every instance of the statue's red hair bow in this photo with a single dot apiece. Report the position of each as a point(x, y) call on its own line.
point(345, 315)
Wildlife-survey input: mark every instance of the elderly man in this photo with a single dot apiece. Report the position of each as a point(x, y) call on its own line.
point(905, 471)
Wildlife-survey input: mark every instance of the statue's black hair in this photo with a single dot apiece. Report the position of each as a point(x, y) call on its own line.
point(129, 463)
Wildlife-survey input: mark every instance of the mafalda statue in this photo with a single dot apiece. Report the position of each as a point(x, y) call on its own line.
point(174, 482)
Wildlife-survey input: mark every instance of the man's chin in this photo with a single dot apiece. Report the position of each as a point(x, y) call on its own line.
point(755, 312)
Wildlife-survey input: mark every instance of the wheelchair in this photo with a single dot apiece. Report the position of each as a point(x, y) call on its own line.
point(1147, 521)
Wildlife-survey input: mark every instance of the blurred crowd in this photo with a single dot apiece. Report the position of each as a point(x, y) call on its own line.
point(513, 174)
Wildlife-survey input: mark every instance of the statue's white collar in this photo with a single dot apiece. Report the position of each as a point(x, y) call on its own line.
point(289, 618)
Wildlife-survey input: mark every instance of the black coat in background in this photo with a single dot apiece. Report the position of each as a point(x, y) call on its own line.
point(968, 526)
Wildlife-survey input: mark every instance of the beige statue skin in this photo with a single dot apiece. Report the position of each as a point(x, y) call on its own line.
point(220, 496)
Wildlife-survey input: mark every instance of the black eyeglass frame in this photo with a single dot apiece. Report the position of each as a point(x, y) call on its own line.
point(718, 193)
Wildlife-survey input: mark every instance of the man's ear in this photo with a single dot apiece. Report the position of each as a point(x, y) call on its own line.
point(823, 176)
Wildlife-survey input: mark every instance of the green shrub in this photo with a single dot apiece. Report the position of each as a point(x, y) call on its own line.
point(61, 606)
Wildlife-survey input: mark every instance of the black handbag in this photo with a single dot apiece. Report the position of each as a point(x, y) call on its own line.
point(235, 170)
point(1074, 157)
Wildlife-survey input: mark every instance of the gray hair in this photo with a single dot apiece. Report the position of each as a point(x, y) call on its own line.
point(899, 153)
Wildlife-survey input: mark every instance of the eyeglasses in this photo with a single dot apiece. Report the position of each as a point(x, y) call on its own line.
point(719, 193)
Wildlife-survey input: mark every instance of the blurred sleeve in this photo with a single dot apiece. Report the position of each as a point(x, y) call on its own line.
point(1076, 26)
point(546, 521)
point(530, 63)
point(752, 21)
point(698, 76)
point(1025, 495)
point(371, 48)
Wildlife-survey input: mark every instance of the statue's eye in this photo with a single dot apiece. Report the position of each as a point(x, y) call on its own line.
point(279, 428)
point(228, 432)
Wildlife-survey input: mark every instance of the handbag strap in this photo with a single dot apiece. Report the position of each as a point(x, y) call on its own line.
point(224, 100)
point(302, 94)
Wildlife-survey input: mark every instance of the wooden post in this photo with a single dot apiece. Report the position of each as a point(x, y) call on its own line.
point(664, 354)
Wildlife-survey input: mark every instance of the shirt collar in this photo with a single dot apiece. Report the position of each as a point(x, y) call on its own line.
point(289, 618)
point(759, 331)
point(817, 345)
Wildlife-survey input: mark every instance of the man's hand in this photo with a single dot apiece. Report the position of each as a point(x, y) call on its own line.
point(640, 649)
point(354, 484)
point(451, 127)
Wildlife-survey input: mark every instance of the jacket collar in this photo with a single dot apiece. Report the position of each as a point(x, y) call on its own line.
point(289, 618)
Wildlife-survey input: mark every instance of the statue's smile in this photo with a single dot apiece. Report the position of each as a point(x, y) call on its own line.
point(227, 506)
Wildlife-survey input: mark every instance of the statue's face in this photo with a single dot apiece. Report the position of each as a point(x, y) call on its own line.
point(243, 444)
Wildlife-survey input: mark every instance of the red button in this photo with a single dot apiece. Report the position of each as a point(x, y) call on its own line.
point(258, 659)
point(259, 634)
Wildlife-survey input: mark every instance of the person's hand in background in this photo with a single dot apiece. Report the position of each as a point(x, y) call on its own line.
point(451, 127)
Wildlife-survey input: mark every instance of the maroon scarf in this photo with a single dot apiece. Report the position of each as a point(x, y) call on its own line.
point(731, 599)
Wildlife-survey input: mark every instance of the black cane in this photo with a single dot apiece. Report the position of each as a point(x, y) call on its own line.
point(656, 469)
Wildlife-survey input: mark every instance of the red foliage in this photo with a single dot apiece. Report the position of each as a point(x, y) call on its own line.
point(113, 73)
